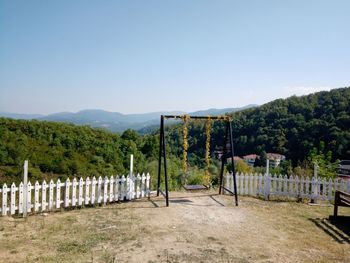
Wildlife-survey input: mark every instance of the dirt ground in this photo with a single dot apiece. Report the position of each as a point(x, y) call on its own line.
point(199, 227)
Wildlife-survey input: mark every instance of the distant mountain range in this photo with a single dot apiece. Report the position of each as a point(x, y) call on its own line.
point(115, 121)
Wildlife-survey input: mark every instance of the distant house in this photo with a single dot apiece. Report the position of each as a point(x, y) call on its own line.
point(235, 158)
point(250, 159)
point(275, 159)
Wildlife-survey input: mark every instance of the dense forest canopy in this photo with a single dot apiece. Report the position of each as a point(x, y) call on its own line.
point(304, 129)
point(296, 125)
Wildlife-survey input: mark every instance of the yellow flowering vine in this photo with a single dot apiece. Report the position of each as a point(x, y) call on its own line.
point(185, 142)
point(207, 151)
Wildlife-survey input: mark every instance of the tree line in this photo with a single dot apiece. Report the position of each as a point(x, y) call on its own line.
point(305, 129)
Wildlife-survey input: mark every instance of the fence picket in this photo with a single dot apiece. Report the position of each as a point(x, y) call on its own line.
point(93, 190)
point(137, 185)
point(20, 198)
point(241, 177)
point(122, 188)
point(66, 193)
point(43, 196)
point(4, 200)
point(58, 194)
point(87, 191)
point(105, 190)
point(99, 190)
point(143, 185)
point(36, 197)
point(117, 187)
point(148, 180)
point(29, 197)
point(111, 189)
point(80, 191)
point(74, 191)
point(13, 199)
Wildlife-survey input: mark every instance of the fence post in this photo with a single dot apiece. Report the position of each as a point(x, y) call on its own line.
point(25, 187)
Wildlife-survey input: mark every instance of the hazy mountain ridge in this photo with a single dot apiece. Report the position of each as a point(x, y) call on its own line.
point(115, 121)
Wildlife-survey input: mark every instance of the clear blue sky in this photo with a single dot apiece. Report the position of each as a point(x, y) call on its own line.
point(142, 56)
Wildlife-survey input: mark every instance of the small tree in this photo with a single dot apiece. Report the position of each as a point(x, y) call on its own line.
point(326, 168)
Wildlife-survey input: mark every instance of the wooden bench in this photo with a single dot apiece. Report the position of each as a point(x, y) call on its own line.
point(341, 199)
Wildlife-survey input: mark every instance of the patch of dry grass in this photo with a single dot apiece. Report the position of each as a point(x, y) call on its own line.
point(195, 228)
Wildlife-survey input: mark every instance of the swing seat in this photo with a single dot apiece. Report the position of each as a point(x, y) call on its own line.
point(195, 187)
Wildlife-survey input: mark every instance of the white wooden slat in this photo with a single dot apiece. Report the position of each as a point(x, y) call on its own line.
point(29, 197)
point(43, 196)
point(13, 199)
point(58, 194)
point(36, 196)
point(20, 198)
point(74, 191)
point(143, 185)
point(4, 200)
point(87, 190)
point(99, 190)
point(275, 181)
point(127, 182)
point(80, 191)
point(111, 189)
point(241, 183)
point(291, 185)
point(137, 186)
point(148, 180)
point(51, 190)
point(117, 188)
point(105, 190)
point(246, 184)
point(122, 188)
point(297, 194)
point(93, 190)
point(66, 193)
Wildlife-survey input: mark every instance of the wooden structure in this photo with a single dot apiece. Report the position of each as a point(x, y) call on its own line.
point(226, 153)
point(341, 199)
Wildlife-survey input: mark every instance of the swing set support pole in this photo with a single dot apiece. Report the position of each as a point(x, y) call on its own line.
point(160, 152)
point(233, 163)
point(223, 160)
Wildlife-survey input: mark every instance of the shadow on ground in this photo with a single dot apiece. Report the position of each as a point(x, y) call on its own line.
point(338, 228)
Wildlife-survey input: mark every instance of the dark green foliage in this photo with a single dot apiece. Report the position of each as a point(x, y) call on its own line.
point(292, 127)
point(65, 149)
point(308, 128)
point(296, 125)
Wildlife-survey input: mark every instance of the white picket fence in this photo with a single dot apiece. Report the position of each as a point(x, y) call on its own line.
point(284, 186)
point(76, 193)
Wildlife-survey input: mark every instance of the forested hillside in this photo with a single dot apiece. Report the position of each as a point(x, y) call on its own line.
point(302, 128)
point(65, 149)
point(295, 125)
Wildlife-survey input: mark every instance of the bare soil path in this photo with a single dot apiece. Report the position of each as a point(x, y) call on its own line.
point(201, 227)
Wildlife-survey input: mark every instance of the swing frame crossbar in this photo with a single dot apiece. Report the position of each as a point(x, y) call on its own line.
point(162, 155)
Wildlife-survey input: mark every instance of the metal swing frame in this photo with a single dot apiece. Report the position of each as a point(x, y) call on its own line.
point(162, 154)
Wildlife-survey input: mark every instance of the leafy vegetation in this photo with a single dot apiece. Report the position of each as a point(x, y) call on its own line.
point(305, 129)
